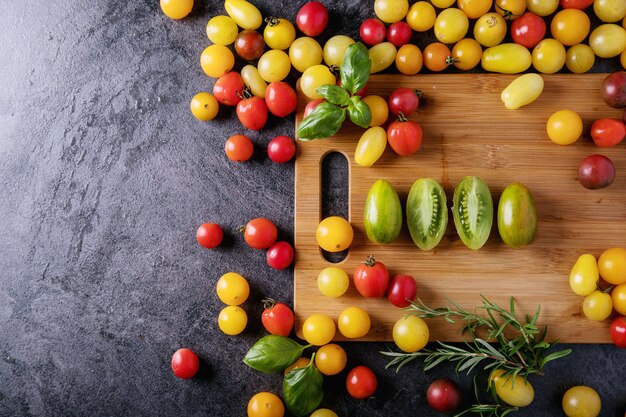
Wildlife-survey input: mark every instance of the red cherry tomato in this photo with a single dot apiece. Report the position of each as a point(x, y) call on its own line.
point(239, 148)
point(277, 318)
point(260, 233)
point(399, 33)
point(280, 98)
point(185, 363)
point(608, 132)
point(249, 45)
point(252, 113)
point(209, 235)
point(280, 255)
point(404, 136)
point(528, 30)
point(404, 100)
point(228, 89)
point(281, 149)
point(373, 31)
point(371, 278)
point(402, 290)
point(443, 395)
point(361, 382)
point(618, 331)
point(312, 18)
point(311, 105)
point(575, 4)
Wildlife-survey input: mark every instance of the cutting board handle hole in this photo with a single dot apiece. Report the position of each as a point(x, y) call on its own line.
point(335, 192)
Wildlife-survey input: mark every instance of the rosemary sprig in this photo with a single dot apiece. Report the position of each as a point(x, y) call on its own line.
point(487, 410)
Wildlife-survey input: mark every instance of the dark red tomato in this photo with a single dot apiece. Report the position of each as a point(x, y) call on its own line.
point(280, 98)
point(252, 112)
point(528, 30)
point(608, 132)
point(239, 148)
point(443, 395)
point(185, 363)
point(595, 172)
point(281, 149)
point(404, 100)
point(399, 33)
point(209, 235)
point(312, 18)
point(575, 4)
point(371, 278)
point(312, 105)
point(280, 255)
point(404, 137)
point(614, 89)
point(373, 31)
point(228, 89)
point(402, 290)
point(249, 44)
point(277, 318)
point(361, 382)
point(618, 331)
point(260, 233)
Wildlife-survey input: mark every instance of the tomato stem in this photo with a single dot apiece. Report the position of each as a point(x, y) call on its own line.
point(268, 303)
point(241, 228)
point(272, 21)
point(450, 60)
point(370, 261)
point(402, 117)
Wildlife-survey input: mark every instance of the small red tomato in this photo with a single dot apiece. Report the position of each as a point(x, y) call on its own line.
point(311, 105)
point(595, 172)
point(402, 290)
point(249, 44)
point(239, 148)
point(371, 278)
point(618, 331)
point(575, 4)
point(399, 33)
point(280, 98)
point(281, 149)
point(277, 318)
point(228, 89)
point(185, 363)
point(443, 395)
point(312, 18)
point(608, 132)
point(404, 100)
point(252, 112)
point(372, 31)
point(404, 136)
point(280, 255)
point(209, 235)
point(528, 30)
point(361, 382)
point(260, 233)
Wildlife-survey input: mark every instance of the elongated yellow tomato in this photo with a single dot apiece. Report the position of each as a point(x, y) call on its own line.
point(583, 278)
point(579, 58)
point(382, 56)
point(513, 391)
point(608, 40)
point(245, 14)
point(549, 56)
point(451, 25)
point(522, 91)
point(216, 60)
point(371, 146)
point(253, 80)
point(409, 59)
point(379, 108)
point(507, 58)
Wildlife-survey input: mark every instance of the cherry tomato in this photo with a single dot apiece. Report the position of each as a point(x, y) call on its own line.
point(404, 100)
point(570, 26)
point(249, 45)
point(228, 89)
point(409, 60)
point(239, 148)
point(334, 234)
point(185, 363)
point(222, 30)
point(595, 172)
point(583, 278)
point(176, 9)
point(378, 107)
point(612, 266)
point(280, 255)
point(618, 295)
point(312, 18)
point(232, 289)
point(421, 16)
point(579, 58)
point(466, 53)
point(608, 40)
point(274, 65)
point(490, 29)
point(390, 11)
point(608, 132)
point(618, 331)
point(371, 278)
point(318, 329)
point(382, 56)
point(564, 127)
point(371, 146)
point(361, 382)
point(331, 359)
point(443, 395)
point(265, 404)
point(511, 9)
point(410, 333)
point(280, 98)
point(542, 7)
point(528, 30)
point(581, 401)
point(549, 56)
point(404, 137)
point(609, 11)
point(277, 318)
point(305, 52)
point(506, 58)
point(302, 362)
point(575, 4)
point(216, 60)
point(402, 290)
point(252, 78)
point(244, 13)
point(281, 149)
point(372, 31)
point(515, 391)
point(333, 281)
point(209, 235)
point(323, 412)
point(311, 105)
point(335, 49)
point(354, 322)
point(597, 306)
point(437, 57)
point(252, 112)
point(313, 77)
point(451, 25)
point(260, 233)
point(279, 33)
point(399, 33)
point(232, 320)
point(204, 106)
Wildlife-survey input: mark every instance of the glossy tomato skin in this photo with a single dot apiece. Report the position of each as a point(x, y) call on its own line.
point(404, 137)
point(312, 18)
point(618, 331)
point(361, 382)
point(372, 31)
point(404, 100)
point(311, 105)
point(278, 319)
point(185, 363)
point(614, 89)
point(281, 149)
point(402, 290)
point(280, 255)
point(575, 4)
point(209, 235)
point(239, 148)
point(252, 113)
point(399, 33)
point(443, 395)
point(371, 278)
point(528, 30)
point(228, 89)
point(280, 98)
point(260, 233)
point(249, 44)
point(607, 133)
point(595, 172)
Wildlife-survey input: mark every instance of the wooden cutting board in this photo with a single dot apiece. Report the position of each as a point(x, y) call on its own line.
point(467, 131)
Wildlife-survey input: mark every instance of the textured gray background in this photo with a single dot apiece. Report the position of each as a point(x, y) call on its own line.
point(105, 175)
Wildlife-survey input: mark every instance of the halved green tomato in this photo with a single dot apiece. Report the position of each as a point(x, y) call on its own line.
point(383, 213)
point(426, 213)
point(472, 210)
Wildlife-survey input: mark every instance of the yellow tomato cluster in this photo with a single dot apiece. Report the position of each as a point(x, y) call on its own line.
point(233, 290)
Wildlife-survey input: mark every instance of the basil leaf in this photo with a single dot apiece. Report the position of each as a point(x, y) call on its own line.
point(334, 94)
point(273, 354)
point(355, 68)
point(359, 112)
point(302, 389)
point(323, 122)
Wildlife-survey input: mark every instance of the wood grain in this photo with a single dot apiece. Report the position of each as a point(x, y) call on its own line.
point(467, 131)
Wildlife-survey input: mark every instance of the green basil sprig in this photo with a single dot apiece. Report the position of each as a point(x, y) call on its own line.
point(359, 112)
point(302, 389)
point(355, 68)
point(273, 354)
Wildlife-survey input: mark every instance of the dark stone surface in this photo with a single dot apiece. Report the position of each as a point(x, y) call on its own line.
point(105, 176)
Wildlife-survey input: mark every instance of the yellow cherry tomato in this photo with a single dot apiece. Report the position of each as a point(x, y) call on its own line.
point(245, 14)
point(409, 59)
point(302, 362)
point(410, 333)
point(474, 8)
point(390, 11)
point(176, 9)
point(252, 78)
point(583, 278)
point(371, 146)
point(279, 33)
point(222, 30)
point(622, 60)
point(335, 49)
point(510, 9)
point(506, 58)
point(564, 127)
point(216, 60)
point(442, 4)
point(548, 56)
point(379, 108)
point(421, 16)
point(232, 289)
point(581, 401)
point(490, 29)
point(333, 281)
point(522, 91)
point(570, 26)
point(608, 40)
point(597, 306)
point(610, 11)
point(314, 77)
point(382, 56)
point(265, 404)
point(618, 295)
point(513, 391)
point(305, 52)
point(354, 322)
point(318, 329)
point(323, 412)
point(451, 25)
point(612, 266)
point(204, 106)
point(580, 58)
point(331, 359)
point(274, 65)
point(232, 320)
point(542, 7)
point(334, 234)
point(466, 53)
